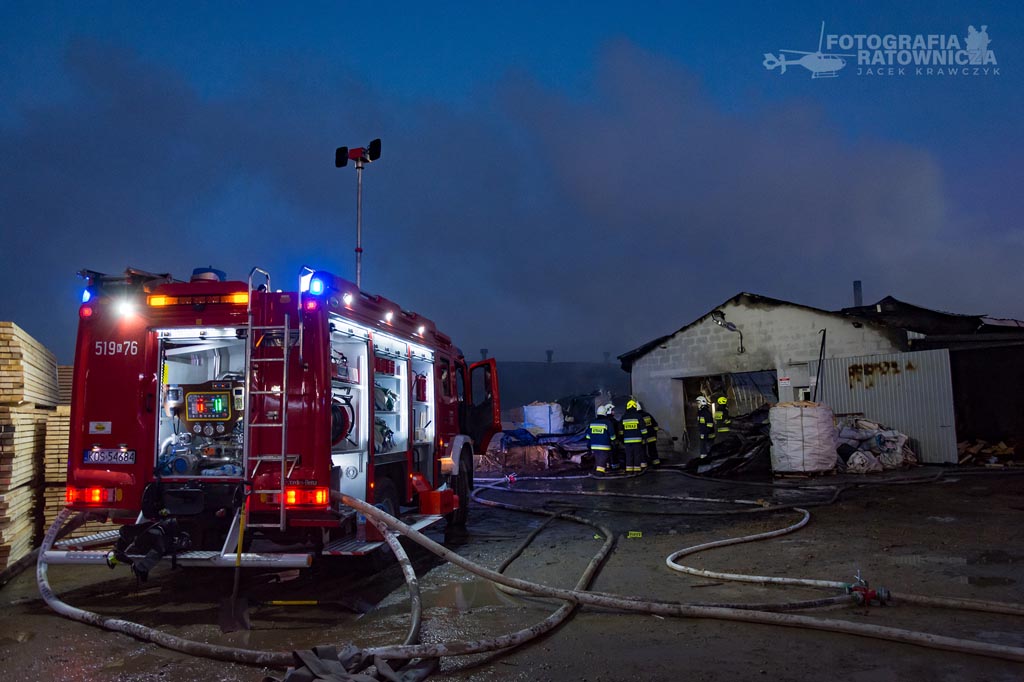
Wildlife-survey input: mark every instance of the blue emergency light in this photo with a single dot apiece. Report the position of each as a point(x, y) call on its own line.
point(86, 295)
point(316, 286)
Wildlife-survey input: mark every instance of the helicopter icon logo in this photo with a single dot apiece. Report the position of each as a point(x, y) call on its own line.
point(820, 64)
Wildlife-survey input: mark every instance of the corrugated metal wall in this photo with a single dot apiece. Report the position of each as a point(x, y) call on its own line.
point(909, 392)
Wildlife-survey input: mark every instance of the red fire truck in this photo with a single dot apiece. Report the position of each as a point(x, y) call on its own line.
point(214, 409)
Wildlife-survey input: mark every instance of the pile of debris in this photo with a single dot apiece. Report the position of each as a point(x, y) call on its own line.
point(520, 450)
point(868, 447)
point(983, 453)
point(746, 449)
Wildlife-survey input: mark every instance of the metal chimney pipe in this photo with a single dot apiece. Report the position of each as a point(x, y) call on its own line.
point(858, 296)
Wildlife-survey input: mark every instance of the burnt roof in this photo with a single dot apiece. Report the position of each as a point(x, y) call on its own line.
point(628, 358)
point(914, 318)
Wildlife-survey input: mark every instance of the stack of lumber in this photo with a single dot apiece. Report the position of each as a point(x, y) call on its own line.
point(22, 441)
point(17, 523)
point(55, 459)
point(28, 371)
point(65, 374)
point(28, 387)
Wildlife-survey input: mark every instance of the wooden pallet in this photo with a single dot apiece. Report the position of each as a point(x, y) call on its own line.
point(28, 371)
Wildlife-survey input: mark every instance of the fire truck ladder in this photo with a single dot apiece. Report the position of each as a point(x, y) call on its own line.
point(255, 336)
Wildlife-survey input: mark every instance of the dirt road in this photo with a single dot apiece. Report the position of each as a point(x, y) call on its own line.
point(961, 536)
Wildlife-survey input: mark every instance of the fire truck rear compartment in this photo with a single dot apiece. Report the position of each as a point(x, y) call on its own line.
point(200, 423)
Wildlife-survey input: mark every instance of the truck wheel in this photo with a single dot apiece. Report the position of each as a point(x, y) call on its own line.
point(460, 486)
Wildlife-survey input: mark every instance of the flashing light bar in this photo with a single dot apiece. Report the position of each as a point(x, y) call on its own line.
point(306, 497)
point(160, 300)
point(86, 296)
point(85, 311)
point(310, 304)
point(316, 286)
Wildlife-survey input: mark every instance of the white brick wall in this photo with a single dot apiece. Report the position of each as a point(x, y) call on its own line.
point(775, 337)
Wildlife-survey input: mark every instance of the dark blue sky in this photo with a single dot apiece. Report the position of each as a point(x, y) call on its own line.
point(582, 177)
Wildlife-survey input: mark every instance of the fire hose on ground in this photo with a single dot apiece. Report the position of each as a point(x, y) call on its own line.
point(572, 598)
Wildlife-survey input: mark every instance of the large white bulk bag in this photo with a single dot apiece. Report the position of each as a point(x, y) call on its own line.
point(548, 416)
point(804, 437)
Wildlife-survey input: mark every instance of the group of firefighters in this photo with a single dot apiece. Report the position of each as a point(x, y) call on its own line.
point(637, 431)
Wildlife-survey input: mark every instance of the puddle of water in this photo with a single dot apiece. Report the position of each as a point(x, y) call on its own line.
point(16, 638)
point(925, 559)
point(466, 596)
point(995, 556)
point(986, 580)
point(988, 557)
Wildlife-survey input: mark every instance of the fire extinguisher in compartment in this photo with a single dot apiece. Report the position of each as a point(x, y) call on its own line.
point(420, 388)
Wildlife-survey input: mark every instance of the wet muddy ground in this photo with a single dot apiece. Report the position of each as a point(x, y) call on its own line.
point(962, 536)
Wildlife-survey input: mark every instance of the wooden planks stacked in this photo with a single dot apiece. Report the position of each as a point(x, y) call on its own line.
point(55, 455)
point(28, 388)
point(22, 440)
point(28, 371)
point(65, 382)
point(17, 523)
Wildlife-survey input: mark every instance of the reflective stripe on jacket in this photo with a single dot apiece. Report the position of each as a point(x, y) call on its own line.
point(601, 433)
point(633, 428)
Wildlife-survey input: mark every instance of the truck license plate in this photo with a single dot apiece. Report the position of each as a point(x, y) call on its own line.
point(109, 456)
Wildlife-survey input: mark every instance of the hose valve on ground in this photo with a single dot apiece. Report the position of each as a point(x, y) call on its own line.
point(511, 478)
point(865, 595)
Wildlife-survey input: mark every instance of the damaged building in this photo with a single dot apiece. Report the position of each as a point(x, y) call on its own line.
point(926, 372)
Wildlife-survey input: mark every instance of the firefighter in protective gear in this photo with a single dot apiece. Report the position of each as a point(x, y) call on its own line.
point(722, 418)
point(705, 425)
point(634, 436)
point(651, 440)
point(602, 433)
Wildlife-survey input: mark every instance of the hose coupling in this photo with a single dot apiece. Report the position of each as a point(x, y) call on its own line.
point(867, 596)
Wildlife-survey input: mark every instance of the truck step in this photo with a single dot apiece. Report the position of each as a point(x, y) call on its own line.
point(105, 538)
point(353, 547)
point(208, 559)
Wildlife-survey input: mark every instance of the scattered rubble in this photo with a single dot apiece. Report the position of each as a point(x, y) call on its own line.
point(983, 453)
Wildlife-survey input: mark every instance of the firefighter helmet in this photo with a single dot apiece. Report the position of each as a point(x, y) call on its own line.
point(602, 410)
point(722, 400)
point(632, 404)
point(701, 401)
